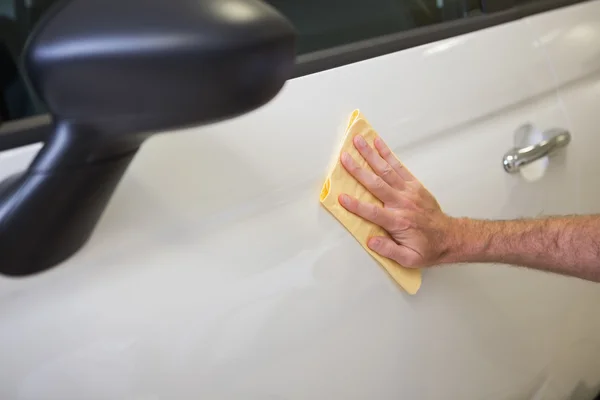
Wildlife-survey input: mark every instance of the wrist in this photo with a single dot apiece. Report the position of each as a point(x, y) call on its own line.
point(465, 240)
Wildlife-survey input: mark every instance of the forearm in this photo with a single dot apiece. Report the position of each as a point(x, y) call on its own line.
point(565, 245)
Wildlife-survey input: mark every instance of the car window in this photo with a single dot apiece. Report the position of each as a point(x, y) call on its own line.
point(17, 19)
point(324, 24)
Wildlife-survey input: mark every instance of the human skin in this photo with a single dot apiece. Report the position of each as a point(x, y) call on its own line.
point(422, 235)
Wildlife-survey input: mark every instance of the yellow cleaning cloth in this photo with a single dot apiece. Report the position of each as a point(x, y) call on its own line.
point(340, 181)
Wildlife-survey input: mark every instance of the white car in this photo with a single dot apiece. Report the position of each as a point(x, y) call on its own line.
point(215, 273)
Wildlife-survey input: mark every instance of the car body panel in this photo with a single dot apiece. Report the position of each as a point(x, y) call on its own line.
point(571, 40)
point(215, 273)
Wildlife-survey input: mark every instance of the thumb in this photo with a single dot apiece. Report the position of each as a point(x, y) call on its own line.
point(388, 248)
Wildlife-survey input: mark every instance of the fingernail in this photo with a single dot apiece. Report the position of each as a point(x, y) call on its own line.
point(360, 141)
point(374, 242)
point(345, 157)
point(345, 199)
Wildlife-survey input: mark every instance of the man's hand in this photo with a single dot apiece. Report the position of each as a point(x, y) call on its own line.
point(420, 230)
point(422, 235)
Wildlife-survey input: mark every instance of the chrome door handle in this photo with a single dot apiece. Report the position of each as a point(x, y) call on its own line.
point(518, 157)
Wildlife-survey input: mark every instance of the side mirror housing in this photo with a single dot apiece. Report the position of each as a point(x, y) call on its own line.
point(113, 73)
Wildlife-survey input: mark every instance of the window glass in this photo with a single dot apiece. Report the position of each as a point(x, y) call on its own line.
point(324, 24)
point(17, 18)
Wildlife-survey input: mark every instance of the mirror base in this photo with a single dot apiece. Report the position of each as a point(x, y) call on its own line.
point(46, 216)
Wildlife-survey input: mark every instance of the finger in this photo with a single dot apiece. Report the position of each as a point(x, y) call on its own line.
point(391, 159)
point(378, 215)
point(379, 165)
point(369, 180)
point(388, 248)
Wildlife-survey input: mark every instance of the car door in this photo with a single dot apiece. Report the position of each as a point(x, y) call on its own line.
point(215, 273)
point(571, 40)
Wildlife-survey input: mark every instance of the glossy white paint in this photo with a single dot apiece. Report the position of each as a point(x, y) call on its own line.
point(216, 274)
point(573, 48)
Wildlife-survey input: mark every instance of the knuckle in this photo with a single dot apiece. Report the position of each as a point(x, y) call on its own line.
point(399, 222)
point(378, 183)
point(366, 151)
point(399, 203)
point(401, 185)
point(384, 150)
point(353, 166)
point(420, 190)
point(386, 171)
point(410, 200)
point(386, 250)
point(374, 213)
point(398, 164)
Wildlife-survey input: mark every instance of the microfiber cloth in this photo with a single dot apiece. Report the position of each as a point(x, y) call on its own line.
point(339, 181)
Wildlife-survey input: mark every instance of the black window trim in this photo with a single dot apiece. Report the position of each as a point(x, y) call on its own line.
point(326, 59)
point(11, 134)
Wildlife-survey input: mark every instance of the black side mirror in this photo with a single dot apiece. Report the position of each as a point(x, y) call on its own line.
point(112, 73)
